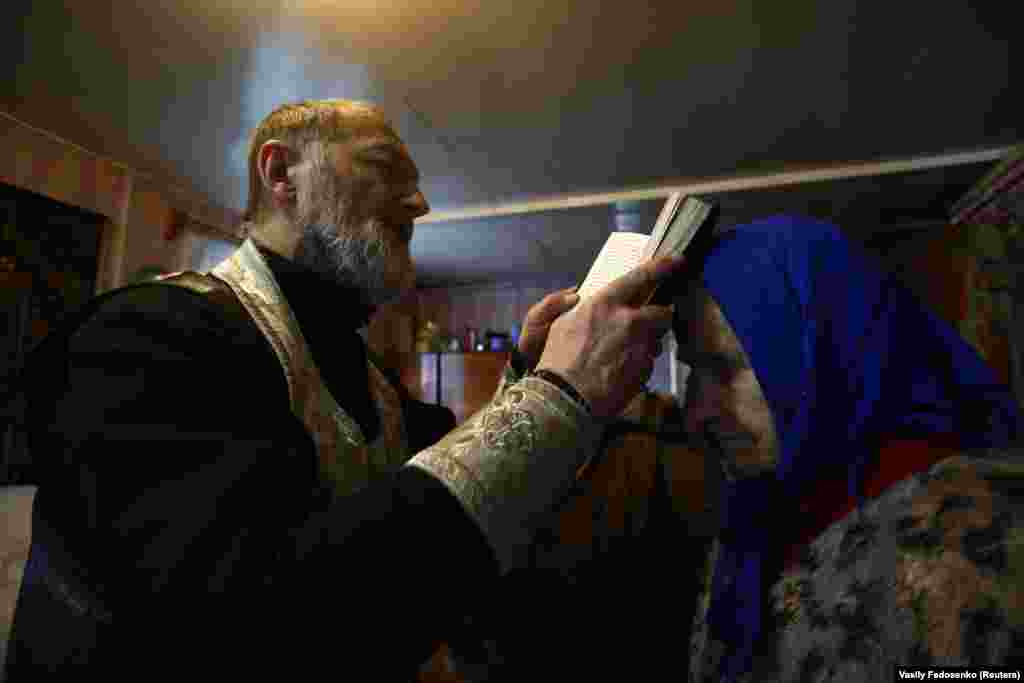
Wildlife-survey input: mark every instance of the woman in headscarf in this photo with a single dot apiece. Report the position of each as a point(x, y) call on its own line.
point(859, 525)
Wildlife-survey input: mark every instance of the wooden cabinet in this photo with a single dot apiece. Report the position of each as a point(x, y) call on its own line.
point(469, 380)
point(463, 382)
point(419, 373)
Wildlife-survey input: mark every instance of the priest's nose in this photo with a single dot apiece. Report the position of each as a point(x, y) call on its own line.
point(416, 204)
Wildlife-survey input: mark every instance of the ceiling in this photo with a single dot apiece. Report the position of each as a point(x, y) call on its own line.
point(501, 102)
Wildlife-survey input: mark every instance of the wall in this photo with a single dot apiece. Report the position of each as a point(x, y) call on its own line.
point(945, 268)
point(953, 278)
point(497, 307)
point(148, 214)
point(501, 307)
point(37, 162)
point(137, 210)
point(392, 331)
point(949, 272)
point(15, 535)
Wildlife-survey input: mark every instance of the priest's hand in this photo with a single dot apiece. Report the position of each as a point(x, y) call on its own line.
point(605, 347)
point(537, 323)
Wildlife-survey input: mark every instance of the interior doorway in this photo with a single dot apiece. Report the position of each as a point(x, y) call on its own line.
point(49, 258)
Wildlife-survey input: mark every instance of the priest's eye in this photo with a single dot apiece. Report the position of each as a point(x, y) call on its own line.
point(383, 163)
point(382, 167)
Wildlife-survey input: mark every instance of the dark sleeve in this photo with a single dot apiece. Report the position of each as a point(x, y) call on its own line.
point(426, 423)
point(175, 467)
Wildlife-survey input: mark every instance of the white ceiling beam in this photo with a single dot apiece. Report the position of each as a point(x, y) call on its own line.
point(717, 185)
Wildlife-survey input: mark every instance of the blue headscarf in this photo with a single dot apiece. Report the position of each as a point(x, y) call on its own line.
point(840, 350)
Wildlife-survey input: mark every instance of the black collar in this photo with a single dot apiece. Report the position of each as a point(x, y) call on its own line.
point(313, 298)
point(329, 315)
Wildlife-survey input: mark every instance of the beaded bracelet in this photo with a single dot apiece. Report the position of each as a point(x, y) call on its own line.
point(564, 385)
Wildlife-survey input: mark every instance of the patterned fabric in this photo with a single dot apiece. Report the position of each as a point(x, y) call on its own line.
point(514, 420)
point(511, 458)
point(345, 457)
point(528, 423)
point(930, 573)
point(846, 357)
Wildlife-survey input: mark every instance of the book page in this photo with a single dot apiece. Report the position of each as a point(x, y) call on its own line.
point(669, 211)
point(620, 254)
point(687, 221)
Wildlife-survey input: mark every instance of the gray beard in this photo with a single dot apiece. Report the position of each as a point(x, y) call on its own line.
point(358, 264)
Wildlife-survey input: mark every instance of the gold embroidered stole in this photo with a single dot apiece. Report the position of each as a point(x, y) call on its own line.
point(345, 458)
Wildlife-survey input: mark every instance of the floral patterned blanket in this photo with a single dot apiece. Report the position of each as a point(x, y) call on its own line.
point(931, 572)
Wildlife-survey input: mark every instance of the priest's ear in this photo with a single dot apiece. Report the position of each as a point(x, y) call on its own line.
point(276, 162)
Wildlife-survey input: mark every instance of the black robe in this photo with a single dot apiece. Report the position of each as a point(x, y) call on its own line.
point(181, 526)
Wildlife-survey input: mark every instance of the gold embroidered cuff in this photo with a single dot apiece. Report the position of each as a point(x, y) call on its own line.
point(508, 463)
point(509, 376)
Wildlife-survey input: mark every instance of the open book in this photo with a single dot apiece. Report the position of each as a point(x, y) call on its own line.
point(676, 227)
